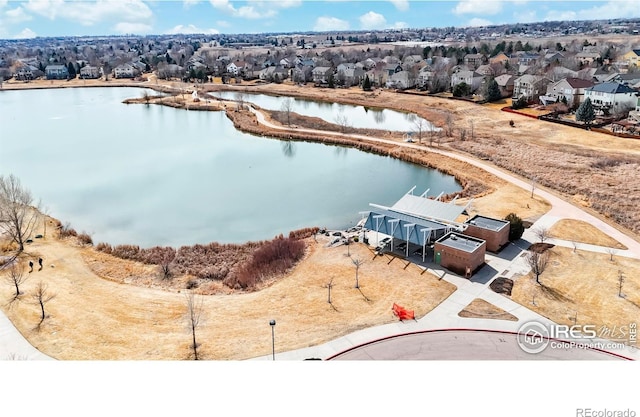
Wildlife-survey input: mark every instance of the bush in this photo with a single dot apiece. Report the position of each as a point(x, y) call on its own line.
point(104, 247)
point(461, 90)
point(66, 230)
point(516, 227)
point(85, 239)
point(273, 258)
point(520, 103)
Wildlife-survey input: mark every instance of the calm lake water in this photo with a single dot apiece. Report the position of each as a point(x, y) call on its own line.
point(357, 116)
point(153, 175)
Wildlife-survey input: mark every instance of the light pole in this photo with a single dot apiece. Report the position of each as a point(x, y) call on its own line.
point(272, 323)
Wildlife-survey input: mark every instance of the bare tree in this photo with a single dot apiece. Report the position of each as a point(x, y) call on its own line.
point(18, 217)
point(611, 252)
point(343, 121)
point(357, 262)
point(542, 233)
point(240, 98)
point(165, 263)
point(41, 297)
point(575, 245)
point(533, 186)
point(16, 277)
point(146, 97)
point(287, 108)
point(537, 262)
point(449, 124)
point(329, 286)
point(194, 315)
point(620, 282)
point(420, 126)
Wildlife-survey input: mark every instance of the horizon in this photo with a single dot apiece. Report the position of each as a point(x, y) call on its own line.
point(26, 19)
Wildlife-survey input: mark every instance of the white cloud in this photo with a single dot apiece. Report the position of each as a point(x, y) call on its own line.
point(400, 25)
point(610, 10)
point(528, 16)
point(188, 3)
point(478, 7)
point(476, 21)
point(402, 5)
point(17, 15)
point(3, 3)
point(26, 33)
point(190, 29)
point(372, 20)
point(132, 28)
point(257, 10)
point(89, 13)
point(328, 23)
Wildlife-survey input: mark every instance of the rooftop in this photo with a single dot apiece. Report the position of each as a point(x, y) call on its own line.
point(487, 222)
point(461, 242)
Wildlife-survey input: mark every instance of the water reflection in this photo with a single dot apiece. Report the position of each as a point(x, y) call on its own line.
point(288, 148)
point(359, 116)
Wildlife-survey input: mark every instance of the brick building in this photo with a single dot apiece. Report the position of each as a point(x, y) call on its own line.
point(495, 232)
point(460, 253)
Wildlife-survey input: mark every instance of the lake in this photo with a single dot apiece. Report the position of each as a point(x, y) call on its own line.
point(356, 116)
point(153, 175)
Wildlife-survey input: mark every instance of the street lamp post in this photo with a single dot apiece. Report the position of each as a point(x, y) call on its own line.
point(272, 323)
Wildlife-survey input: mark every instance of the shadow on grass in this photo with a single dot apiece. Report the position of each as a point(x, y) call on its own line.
point(554, 294)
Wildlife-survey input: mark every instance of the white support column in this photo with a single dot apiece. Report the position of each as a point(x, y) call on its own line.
point(425, 193)
point(394, 224)
point(424, 241)
point(378, 217)
point(408, 226)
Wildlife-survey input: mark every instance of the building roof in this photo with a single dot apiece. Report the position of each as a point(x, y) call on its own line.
point(612, 88)
point(461, 242)
point(402, 226)
point(579, 82)
point(487, 223)
point(427, 208)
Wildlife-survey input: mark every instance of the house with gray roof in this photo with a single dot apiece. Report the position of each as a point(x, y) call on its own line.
point(612, 97)
point(56, 72)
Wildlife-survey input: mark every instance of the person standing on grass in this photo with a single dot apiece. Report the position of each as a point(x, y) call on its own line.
point(30, 266)
point(40, 263)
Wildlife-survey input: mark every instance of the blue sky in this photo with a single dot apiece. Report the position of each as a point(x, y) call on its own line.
point(30, 18)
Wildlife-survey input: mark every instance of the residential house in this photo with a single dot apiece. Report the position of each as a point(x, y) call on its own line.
point(236, 68)
point(273, 73)
point(89, 72)
point(351, 76)
point(505, 83)
point(321, 75)
point(412, 60)
point(632, 58)
point(125, 71)
point(523, 58)
point(391, 69)
point(471, 78)
point(630, 79)
point(345, 66)
point(485, 70)
point(424, 76)
point(557, 73)
point(27, 72)
point(401, 80)
point(612, 98)
point(196, 66)
point(571, 89)
point(475, 60)
point(531, 87)
point(586, 58)
point(501, 58)
point(286, 63)
point(56, 72)
point(553, 57)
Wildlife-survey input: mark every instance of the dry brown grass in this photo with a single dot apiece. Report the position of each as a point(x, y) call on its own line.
point(582, 232)
point(93, 318)
point(508, 198)
point(482, 309)
point(583, 285)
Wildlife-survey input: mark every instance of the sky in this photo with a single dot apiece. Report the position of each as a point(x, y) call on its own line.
point(31, 18)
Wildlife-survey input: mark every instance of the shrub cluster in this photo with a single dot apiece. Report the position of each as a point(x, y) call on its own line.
point(66, 230)
point(303, 233)
point(85, 239)
point(273, 258)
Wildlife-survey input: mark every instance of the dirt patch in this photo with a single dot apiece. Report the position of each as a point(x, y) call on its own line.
point(582, 232)
point(481, 309)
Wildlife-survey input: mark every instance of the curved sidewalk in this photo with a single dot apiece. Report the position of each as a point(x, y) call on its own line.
point(13, 346)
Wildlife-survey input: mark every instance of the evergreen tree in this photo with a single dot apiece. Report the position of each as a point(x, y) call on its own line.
point(72, 70)
point(461, 90)
point(366, 84)
point(585, 112)
point(516, 227)
point(493, 91)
